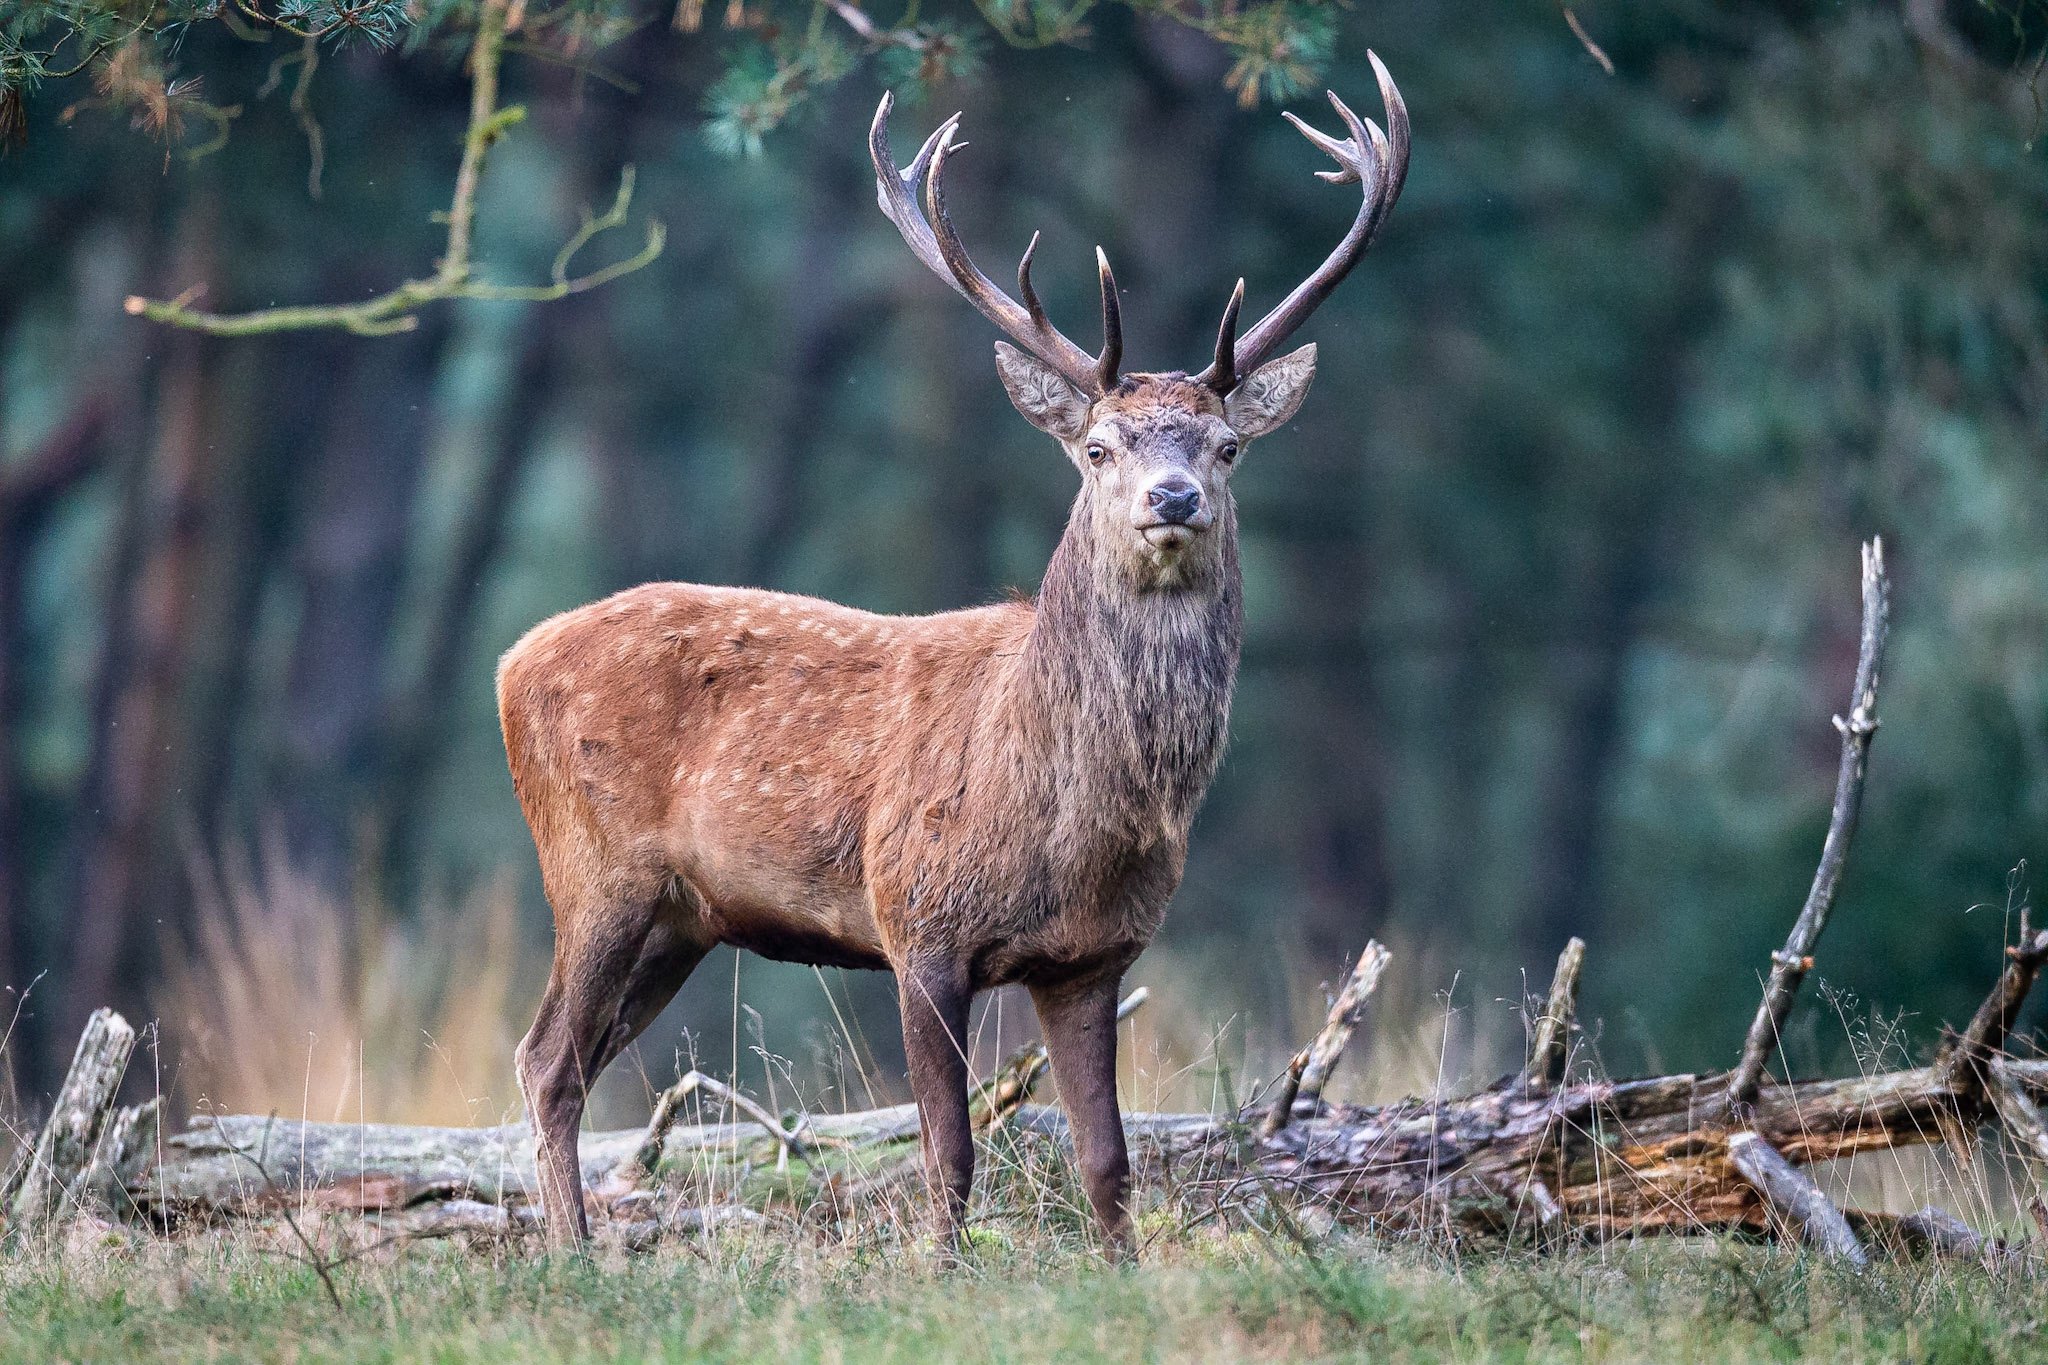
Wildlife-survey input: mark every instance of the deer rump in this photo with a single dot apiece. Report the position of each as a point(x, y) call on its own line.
point(823, 785)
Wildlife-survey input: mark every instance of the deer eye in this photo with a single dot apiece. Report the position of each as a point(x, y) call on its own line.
point(1228, 453)
point(1096, 453)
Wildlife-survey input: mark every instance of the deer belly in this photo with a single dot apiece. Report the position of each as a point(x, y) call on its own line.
point(784, 898)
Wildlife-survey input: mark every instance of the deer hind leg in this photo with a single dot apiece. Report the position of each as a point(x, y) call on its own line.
point(615, 967)
point(1079, 1022)
point(934, 999)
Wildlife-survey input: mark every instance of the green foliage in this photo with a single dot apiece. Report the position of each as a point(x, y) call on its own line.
point(778, 53)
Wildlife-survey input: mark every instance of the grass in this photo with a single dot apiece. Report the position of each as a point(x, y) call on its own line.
point(361, 991)
point(773, 1295)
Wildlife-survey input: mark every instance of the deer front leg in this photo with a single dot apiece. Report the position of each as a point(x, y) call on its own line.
point(1079, 1022)
point(934, 998)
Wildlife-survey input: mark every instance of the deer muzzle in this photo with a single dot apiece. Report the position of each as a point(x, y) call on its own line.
point(1173, 512)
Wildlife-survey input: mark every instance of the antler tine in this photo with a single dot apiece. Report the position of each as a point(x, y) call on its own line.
point(1030, 295)
point(1222, 375)
point(1112, 326)
point(895, 190)
point(930, 233)
point(1375, 160)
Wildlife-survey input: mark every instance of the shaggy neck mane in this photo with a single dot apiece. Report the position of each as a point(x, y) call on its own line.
point(1131, 684)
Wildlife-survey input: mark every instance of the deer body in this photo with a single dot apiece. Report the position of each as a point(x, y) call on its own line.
point(972, 799)
point(819, 784)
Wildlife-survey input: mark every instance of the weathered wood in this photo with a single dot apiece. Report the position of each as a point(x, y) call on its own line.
point(1790, 966)
point(124, 1151)
point(1310, 1069)
point(1985, 1034)
point(2021, 1118)
point(1550, 1051)
point(1614, 1157)
point(1796, 1200)
point(37, 1200)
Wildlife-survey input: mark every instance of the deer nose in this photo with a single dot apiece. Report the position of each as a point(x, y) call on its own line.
point(1174, 501)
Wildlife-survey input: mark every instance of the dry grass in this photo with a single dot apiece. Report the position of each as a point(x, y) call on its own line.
point(293, 1001)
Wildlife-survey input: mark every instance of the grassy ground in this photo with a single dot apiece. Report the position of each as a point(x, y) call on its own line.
point(770, 1295)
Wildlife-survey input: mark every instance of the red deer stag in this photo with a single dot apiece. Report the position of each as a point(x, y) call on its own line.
point(971, 799)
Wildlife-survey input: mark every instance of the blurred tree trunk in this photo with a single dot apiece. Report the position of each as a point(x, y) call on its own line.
point(416, 723)
point(246, 540)
point(148, 629)
point(1566, 871)
point(350, 559)
point(1178, 266)
point(30, 489)
point(819, 338)
point(1340, 838)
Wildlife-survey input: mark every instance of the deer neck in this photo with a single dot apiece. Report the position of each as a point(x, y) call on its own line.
point(1125, 683)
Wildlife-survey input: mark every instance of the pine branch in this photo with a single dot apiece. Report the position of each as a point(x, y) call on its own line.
point(397, 309)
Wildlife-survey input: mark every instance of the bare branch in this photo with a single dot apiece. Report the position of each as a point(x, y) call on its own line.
point(2017, 1112)
point(1794, 1197)
point(1963, 1060)
point(668, 1104)
point(1790, 966)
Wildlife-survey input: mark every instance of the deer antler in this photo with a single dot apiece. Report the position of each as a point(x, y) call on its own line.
point(930, 233)
point(1379, 162)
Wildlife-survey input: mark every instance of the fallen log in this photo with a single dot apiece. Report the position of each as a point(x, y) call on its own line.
point(1616, 1157)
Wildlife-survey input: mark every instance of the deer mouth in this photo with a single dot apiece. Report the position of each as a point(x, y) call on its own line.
point(1169, 535)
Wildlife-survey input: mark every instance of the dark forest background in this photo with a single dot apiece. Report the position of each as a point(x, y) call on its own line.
point(1551, 587)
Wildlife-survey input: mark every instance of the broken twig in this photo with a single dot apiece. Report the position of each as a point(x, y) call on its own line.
point(1551, 1049)
point(1310, 1070)
point(1964, 1059)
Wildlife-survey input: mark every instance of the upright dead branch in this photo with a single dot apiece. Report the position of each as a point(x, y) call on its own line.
point(1794, 1197)
point(1790, 966)
point(1550, 1051)
point(1310, 1070)
point(40, 1193)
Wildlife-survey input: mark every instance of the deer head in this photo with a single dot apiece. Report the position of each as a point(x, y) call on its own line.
point(1155, 450)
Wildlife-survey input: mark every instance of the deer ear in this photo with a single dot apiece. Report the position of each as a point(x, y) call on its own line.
point(1271, 394)
point(1047, 400)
